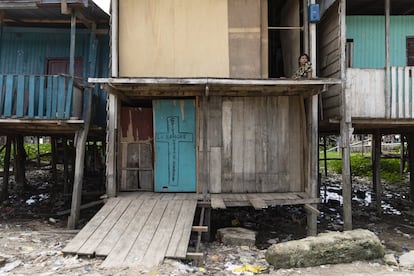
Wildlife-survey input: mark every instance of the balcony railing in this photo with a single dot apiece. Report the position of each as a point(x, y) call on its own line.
point(366, 91)
point(402, 87)
point(39, 97)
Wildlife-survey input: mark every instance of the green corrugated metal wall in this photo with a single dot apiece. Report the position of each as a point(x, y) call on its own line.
point(368, 33)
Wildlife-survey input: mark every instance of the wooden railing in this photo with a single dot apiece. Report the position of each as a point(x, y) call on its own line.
point(402, 87)
point(366, 91)
point(37, 97)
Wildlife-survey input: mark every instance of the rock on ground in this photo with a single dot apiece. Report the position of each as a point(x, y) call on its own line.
point(407, 260)
point(236, 236)
point(326, 248)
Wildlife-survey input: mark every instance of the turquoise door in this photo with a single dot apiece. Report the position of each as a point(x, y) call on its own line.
point(175, 162)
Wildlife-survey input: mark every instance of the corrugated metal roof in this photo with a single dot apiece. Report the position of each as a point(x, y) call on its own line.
point(39, 13)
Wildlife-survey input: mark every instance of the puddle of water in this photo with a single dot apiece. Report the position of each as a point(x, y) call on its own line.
point(332, 194)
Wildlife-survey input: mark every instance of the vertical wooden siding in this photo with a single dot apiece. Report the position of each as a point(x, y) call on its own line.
point(255, 144)
point(329, 58)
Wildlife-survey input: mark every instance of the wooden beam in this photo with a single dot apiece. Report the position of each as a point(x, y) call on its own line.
point(80, 141)
point(111, 146)
point(376, 176)
point(83, 206)
point(200, 229)
point(345, 126)
point(6, 167)
point(194, 255)
point(64, 9)
point(410, 140)
point(312, 209)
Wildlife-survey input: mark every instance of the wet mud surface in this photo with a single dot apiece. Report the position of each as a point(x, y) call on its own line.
point(33, 235)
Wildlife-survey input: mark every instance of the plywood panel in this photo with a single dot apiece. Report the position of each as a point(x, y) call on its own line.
point(245, 38)
point(175, 38)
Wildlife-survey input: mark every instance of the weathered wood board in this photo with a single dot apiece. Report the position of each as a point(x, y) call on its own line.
point(261, 149)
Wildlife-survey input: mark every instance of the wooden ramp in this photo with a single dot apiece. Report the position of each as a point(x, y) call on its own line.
point(138, 229)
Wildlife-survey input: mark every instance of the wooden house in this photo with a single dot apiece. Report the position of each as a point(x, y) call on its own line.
point(208, 106)
point(369, 46)
point(201, 107)
point(48, 49)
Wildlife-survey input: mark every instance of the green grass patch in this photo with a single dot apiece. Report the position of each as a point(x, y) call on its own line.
point(31, 152)
point(361, 165)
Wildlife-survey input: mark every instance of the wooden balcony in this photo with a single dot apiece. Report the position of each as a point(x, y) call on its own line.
point(365, 90)
point(40, 97)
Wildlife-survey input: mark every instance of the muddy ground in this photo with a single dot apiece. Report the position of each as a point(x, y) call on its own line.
point(32, 235)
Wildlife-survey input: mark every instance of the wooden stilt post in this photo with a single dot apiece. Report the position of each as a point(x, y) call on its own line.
point(376, 170)
point(374, 176)
point(312, 118)
point(325, 162)
point(410, 140)
point(5, 187)
point(402, 154)
point(82, 134)
point(20, 172)
point(65, 166)
point(54, 158)
point(38, 151)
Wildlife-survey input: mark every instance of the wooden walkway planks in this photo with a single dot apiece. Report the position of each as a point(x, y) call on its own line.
point(259, 200)
point(182, 231)
point(90, 228)
point(138, 230)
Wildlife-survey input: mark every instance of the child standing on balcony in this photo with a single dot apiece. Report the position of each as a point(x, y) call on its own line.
point(305, 68)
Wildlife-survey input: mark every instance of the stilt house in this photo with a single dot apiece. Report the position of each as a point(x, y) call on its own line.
point(369, 45)
point(202, 106)
point(202, 112)
point(48, 49)
point(201, 101)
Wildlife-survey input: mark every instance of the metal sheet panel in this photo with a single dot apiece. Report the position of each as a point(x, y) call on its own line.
point(368, 33)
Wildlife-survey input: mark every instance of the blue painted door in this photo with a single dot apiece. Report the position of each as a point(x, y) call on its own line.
point(174, 129)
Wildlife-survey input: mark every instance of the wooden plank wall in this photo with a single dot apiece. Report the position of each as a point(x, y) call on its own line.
point(329, 58)
point(256, 144)
point(366, 90)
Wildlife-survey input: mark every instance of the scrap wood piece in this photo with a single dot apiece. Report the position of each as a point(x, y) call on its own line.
point(257, 202)
point(217, 202)
point(84, 206)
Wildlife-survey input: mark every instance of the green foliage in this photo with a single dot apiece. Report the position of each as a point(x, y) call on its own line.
point(361, 165)
point(31, 152)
